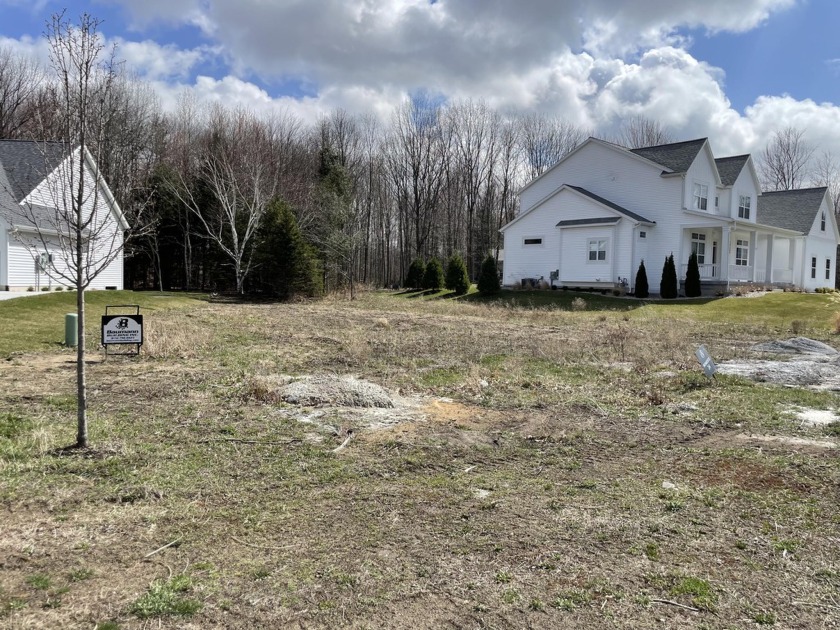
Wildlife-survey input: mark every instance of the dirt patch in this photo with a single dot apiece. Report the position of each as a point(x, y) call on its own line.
point(816, 365)
point(785, 439)
point(746, 475)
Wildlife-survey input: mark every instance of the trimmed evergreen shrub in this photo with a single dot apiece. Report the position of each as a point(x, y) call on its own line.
point(488, 279)
point(433, 278)
point(668, 285)
point(641, 284)
point(457, 278)
point(414, 278)
point(692, 277)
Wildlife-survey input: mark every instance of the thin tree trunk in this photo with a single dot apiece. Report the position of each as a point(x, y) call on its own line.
point(81, 376)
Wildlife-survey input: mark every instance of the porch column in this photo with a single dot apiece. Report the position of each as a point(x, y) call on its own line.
point(724, 253)
point(753, 236)
point(771, 240)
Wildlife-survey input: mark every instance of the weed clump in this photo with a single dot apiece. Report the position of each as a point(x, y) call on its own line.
point(166, 598)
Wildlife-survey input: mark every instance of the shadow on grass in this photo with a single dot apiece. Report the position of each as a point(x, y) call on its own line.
point(564, 300)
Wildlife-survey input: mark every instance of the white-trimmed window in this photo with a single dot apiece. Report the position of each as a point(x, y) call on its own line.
point(813, 267)
point(742, 252)
point(642, 234)
point(822, 223)
point(717, 203)
point(701, 196)
point(597, 249)
point(828, 268)
point(532, 241)
point(744, 203)
point(698, 247)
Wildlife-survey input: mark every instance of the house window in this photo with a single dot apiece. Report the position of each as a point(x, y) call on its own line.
point(828, 268)
point(698, 247)
point(814, 267)
point(742, 253)
point(597, 249)
point(744, 207)
point(701, 196)
point(642, 234)
point(717, 203)
point(533, 241)
point(822, 223)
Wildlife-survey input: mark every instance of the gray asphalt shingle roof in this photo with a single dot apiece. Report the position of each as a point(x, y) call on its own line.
point(730, 167)
point(676, 157)
point(27, 163)
point(610, 204)
point(790, 209)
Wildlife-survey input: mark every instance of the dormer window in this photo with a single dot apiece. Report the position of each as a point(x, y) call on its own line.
point(701, 196)
point(744, 202)
point(822, 222)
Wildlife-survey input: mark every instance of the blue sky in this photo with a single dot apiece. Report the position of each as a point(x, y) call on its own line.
point(732, 70)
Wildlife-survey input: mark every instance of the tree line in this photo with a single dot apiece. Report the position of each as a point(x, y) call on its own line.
point(224, 199)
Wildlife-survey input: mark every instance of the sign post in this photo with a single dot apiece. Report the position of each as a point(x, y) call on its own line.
point(121, 329)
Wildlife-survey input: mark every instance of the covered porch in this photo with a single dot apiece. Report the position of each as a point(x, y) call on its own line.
point(741, 254)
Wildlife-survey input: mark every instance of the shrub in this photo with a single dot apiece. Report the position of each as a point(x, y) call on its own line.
point(668, 284)
point(642, 289)
point(488, 279)
point(692, 277)
point(433, 278)
point(457, 278)
point(578, 304)
point(30, 289)
point(414, 278)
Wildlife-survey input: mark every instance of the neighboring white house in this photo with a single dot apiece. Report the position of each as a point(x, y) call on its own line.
point(594, 216)
point(35, 237)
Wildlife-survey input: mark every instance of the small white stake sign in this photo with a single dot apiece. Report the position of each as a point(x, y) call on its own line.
point(706, 361)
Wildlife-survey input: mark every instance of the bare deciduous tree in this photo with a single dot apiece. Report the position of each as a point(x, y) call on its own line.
point(71, 215)
point(783, 165)
point(546, 140)
point(237, 168)
point(827, 173)
point(20, 80)
point(640, 131)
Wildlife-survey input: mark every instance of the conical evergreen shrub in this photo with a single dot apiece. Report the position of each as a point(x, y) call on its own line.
point(668, 285)
point(414, 277)
point(433, 278)
point(457, 279)
point(692, 277)
point(641, 284)
point(488, 279)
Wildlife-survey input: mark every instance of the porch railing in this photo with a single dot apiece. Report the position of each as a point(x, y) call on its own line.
point(707, 272)
point(741, 273)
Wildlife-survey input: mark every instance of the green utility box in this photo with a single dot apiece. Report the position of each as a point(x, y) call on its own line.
point(71, 336)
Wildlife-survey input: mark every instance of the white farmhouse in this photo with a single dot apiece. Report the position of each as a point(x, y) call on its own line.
point(36, 234)
point(591, 219)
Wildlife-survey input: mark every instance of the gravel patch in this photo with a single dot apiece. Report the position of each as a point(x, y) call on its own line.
point(335, 391)
point(796, 345)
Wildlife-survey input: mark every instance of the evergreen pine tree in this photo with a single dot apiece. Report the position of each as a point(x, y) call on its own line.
point(668, 284)
point(692, 277)
point(414, 278)
point(488, 279)
point(457, 279)
point(433, 278)
point(642, 289)
point(288, 264)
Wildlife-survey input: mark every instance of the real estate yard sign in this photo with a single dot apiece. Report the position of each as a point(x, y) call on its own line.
point(122, 329)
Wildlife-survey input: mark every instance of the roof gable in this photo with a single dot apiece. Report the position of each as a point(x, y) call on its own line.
point(790, 209)
point(676, 157)
point(729, 168)
point(27, 163)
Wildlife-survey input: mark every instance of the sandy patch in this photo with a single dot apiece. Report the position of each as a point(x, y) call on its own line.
point(784, 439)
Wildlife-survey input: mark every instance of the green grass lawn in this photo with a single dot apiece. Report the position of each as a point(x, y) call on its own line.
point(36, 322)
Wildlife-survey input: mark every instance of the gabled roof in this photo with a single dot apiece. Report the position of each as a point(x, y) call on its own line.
point(790, 209)
point(27, 163)
point(628, 213)
point(676, 157)
point(730, 167)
